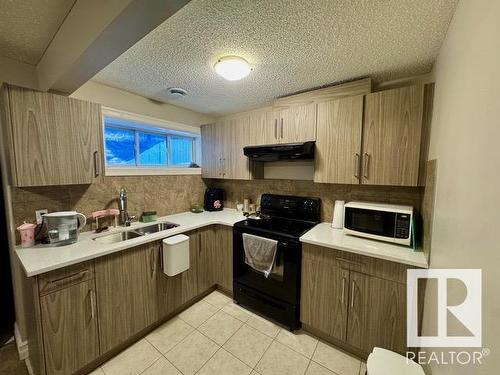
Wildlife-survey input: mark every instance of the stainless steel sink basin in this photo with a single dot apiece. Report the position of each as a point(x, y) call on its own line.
point(117, 237)
point(134, 233)
point(157, 227)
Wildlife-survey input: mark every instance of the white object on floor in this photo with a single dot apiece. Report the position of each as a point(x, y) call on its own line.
point(338, 215)
point(384, 362)
point(175, 254)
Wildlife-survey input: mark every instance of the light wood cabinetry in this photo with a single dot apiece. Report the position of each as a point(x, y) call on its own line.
point(222, 149)
point(126, 285)
point(338, 144)
point(263, 128)
point(223, 261)
point(377, 313)
point(324, 303)
point(357, 300)
point(69, 324)
point(391, 136)
point(296, 123)
point(86, 312)
point(52, 139)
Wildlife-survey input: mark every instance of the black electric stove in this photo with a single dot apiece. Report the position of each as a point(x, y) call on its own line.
point(284, 219)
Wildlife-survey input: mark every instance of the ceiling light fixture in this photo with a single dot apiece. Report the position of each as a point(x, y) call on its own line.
point(232, 68)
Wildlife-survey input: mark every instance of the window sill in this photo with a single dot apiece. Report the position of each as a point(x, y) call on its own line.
point(152, 171)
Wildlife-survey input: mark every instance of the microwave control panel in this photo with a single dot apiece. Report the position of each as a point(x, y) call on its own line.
point(403, 223)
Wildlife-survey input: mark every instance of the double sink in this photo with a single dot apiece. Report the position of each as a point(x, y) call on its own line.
point(134, 233)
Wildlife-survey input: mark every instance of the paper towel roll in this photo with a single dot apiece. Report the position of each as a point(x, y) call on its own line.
point(338, 215)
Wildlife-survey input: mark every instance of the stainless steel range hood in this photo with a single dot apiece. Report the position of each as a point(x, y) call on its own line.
point(285, 151)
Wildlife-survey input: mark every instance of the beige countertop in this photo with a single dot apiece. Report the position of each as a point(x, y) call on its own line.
point(324, 235)
point(44, 258)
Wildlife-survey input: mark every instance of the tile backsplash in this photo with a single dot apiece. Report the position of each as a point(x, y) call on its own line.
point(236, 191)
point(172, 194)
point(164, 194)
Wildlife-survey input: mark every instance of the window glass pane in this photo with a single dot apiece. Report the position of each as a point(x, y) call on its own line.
point(119, 146)
point(181, 153)
point(152, 149)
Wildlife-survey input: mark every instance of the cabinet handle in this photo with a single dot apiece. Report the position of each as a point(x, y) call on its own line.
point(281, 127)
point(96, 164)
point(223, 166)
point(343, 290)
point(92, 304)
point(276, 128)
point(356, 165)
point(352, 293)
point(160, 252)
point(366, 161)
point(153, 262)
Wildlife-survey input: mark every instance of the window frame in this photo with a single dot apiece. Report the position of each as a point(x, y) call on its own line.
point(157, 126)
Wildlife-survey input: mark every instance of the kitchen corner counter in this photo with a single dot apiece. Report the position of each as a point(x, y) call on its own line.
point(324, 235)
point(44, 258)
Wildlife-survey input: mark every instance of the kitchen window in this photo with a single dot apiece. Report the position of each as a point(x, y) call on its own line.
point(140, 145)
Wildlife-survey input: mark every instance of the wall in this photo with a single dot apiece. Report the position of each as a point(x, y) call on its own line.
point(18, 73)
point(238, 190)
point(119, 99)
point(465, 141)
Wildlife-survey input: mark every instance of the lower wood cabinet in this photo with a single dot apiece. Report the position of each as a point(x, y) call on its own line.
point(357, 300)
point(69, 326)
point(127, 292)
point(88, 309)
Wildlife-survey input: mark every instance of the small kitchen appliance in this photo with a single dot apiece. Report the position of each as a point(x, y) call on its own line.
point(214, 199)
point(64, 227)
point(379, 221)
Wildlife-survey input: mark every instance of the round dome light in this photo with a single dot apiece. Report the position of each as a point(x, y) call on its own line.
point(232, 68)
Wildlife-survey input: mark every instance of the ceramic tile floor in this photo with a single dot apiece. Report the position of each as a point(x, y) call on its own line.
point(217, 337)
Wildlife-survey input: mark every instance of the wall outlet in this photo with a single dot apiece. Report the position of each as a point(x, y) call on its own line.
point(38, 215)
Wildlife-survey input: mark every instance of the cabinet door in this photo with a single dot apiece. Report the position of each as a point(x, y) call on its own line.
point(263, 128)
point(223, 257)
point(69, 323)
point(324, 294)
point(210, 167)
point(190, 277)
point(391, 136)
point(236, 165)
point(207, 266)
point(126, 293)
point(56, 140)
point(338, 144)
point(298, 123)
point(377, 313)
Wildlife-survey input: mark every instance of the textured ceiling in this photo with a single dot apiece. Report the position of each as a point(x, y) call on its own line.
point(292, 46)
point(28, 26)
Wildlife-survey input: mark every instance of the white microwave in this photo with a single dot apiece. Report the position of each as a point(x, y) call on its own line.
point(379, 221)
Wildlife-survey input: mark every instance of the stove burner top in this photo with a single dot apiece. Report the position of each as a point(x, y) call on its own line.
point(278, 226)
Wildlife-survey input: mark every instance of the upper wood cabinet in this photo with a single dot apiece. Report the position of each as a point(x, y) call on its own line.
point(338, 144)
point(263, 127)
point(392, 132)
point(296, 123)
point(52, 139)
point(222, 148)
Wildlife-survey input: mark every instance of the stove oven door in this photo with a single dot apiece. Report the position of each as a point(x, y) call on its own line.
point(278, 295)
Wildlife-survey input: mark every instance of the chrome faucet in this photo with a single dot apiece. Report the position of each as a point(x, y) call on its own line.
point(122, 205)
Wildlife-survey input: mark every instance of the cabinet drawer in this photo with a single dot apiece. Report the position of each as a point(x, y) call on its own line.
point(59, 279)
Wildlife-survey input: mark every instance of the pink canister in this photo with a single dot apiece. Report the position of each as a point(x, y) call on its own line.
point(27, 232)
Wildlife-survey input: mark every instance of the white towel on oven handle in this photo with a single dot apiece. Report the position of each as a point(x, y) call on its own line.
point(260, 252)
